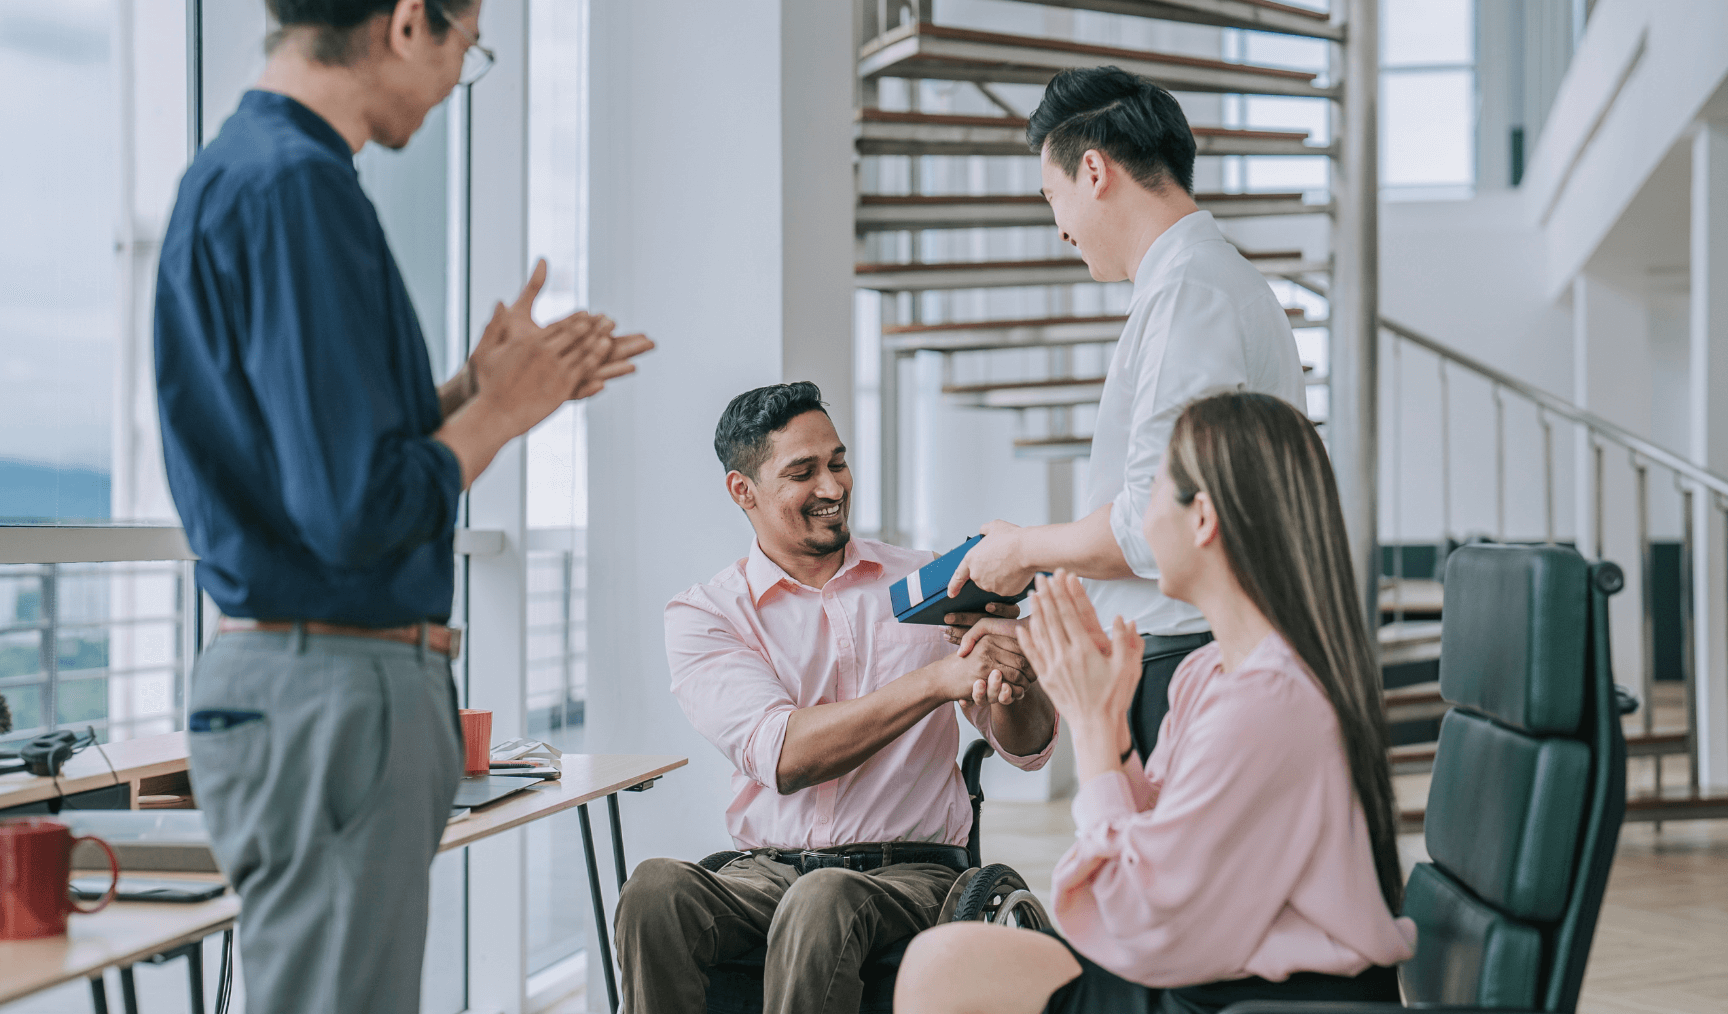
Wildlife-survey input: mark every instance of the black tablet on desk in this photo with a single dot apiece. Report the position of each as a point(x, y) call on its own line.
point(147, 889)
point(476, 791)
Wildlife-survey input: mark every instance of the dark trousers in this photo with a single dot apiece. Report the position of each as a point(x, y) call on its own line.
point(676, 920)
point(1158, 662)
point(1097, 990)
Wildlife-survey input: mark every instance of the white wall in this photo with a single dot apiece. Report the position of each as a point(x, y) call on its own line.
point(701, 117)
point(1467, 273)
point(1641, 75)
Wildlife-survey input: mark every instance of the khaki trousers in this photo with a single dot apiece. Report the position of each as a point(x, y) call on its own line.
point(676, 920)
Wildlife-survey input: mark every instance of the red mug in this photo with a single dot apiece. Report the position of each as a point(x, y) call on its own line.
point(35, 871)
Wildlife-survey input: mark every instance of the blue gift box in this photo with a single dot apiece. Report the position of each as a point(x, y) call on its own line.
point(922, 596)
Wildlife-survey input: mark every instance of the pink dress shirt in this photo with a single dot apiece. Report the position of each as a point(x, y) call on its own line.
point(753, 645)
point(1241, 848)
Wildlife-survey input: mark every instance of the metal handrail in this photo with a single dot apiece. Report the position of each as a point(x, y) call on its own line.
point(1564, 409)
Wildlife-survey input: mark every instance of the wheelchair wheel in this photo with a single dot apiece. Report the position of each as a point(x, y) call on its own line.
point(997, 894)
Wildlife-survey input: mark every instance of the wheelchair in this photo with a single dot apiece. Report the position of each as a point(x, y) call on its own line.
point(994, 893)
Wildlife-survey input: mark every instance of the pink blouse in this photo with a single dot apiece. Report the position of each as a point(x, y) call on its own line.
point(1241, 848)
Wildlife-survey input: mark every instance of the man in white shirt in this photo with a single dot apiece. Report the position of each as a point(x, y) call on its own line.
point(1118, 170)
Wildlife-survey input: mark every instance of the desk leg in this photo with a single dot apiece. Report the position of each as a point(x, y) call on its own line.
point(195, 969)
point(599, 907)
point(98, 994)
point(617, 838)
point(128, 990)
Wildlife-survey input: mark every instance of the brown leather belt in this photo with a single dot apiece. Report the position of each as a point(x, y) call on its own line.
point(444, 640)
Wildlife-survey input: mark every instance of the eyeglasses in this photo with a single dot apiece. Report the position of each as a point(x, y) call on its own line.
point(476, 59)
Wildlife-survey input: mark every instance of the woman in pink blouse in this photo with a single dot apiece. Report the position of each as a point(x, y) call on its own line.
point(1253, 855)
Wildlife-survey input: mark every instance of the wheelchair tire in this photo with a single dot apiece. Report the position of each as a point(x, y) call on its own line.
point(998, 894)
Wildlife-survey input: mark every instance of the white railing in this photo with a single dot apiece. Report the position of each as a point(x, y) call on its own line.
point(1643, 455)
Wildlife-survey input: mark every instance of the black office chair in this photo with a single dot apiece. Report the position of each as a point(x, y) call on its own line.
point(1528, 792)
point(993, 893)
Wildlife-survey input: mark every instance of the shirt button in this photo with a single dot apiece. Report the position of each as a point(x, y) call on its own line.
point(821, 820)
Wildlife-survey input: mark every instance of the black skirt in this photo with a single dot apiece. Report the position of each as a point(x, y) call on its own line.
point(1100, 991)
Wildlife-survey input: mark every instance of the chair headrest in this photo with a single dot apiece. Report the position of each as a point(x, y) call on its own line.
point(1513, 632)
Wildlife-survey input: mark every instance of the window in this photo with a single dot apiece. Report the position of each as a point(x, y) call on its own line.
point(1427, 99)
point(557, 481)
point(100, 645)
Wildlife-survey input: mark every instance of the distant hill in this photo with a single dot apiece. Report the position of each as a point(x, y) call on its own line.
point(30, 489)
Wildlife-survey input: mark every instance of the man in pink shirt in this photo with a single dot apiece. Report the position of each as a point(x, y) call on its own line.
point(847, 800)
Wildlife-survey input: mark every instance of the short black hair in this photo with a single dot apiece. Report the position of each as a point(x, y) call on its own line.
point(336, 20)
point(741, 439)
point(1127, 117)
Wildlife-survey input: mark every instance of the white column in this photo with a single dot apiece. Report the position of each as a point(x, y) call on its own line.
point(1611, 378)
point(1709, 439)
point(1353, 431)
point(497, 585)
point(720, 189)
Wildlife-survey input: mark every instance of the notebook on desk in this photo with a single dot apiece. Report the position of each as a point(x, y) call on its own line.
point(476, 791)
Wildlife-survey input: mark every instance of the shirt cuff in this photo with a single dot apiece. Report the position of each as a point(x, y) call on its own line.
point(761, 755)
point(450, 476)
point(1104, 798)
point(1125, 525)
point(1027, 762)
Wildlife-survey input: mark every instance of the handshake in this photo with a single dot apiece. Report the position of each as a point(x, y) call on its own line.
point(991, 667)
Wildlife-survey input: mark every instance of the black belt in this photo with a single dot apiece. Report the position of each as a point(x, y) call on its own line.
point(873, 856)
point(1170, 644)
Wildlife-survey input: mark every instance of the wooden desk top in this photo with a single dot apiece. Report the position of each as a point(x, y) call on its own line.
point(132, 760)
point(124, 933)
point(587, 777)
point(129, 931)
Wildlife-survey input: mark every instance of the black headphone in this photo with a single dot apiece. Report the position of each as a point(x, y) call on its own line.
point(45, 754)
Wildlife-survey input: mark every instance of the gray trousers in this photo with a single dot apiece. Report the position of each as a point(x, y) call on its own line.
point(325, 813)
point(676, 919)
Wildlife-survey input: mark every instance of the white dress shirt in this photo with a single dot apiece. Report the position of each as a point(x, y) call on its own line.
point(1202, 320)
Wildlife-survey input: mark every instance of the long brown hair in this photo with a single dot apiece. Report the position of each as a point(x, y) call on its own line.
point(1270, 481)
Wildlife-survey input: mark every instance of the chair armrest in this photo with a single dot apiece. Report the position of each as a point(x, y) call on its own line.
point(1355, 1007)
point(971, 766)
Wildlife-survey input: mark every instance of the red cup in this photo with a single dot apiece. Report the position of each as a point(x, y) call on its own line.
point(35, 870)
point(476, 741)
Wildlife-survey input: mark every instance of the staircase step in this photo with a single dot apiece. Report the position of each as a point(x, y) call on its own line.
point(985, 335)
point(971, 274)
point(1409, 641)
point(1418, 758)
point(1043, 332)
point(1415, 703)
point(891, 212)
point(1414, 596)
point(924, 50)
point(887, 132)
point(919, 277)
point(1254, 15)
point(1056, 393)
point(1053, 448)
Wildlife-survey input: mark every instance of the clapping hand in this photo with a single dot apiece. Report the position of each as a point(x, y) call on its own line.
point(1089, 675)
point(583, 340)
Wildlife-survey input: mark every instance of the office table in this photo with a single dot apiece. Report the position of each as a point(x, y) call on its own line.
point(587, 777)
point(131, 931)
point(122, 934)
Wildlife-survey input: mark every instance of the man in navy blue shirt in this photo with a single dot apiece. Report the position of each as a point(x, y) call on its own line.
point(316, 468)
